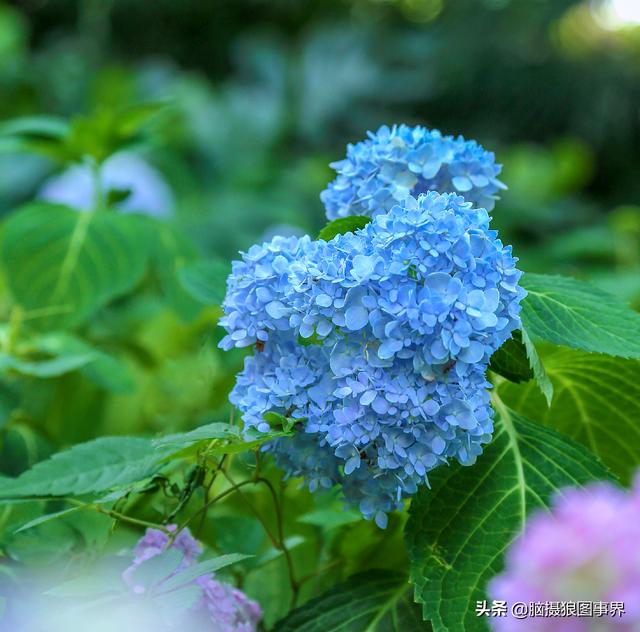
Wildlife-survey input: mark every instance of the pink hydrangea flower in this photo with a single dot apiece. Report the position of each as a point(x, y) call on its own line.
point(586, 550)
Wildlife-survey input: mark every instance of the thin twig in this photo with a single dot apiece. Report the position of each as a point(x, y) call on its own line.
point(116, 515)
point(279, 542)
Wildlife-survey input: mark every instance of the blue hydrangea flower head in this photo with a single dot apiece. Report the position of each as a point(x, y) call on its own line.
point(255, 291)
point(402, 160)
point(378, 340)
point(401, 319)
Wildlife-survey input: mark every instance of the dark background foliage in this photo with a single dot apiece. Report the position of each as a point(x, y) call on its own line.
point(269, 92)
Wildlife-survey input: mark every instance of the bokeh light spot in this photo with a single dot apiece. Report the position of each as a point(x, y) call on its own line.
point(614, 14)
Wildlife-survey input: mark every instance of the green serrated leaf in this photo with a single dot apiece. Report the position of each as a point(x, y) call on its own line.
point(244, 446)
point(343, 225)
point(206, 281)
point(597, 403)
point(218, 438)
point(202, 568)
point(62, 265)
point(47, 518)
point(99, 465)
point(208, 432)
point(375, 601)
point(539, 373)
point(511, 360)
point(576, 314)
point(459, 529)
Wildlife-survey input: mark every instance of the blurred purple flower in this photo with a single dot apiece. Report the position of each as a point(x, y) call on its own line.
point(221, 608)
point(586, 549)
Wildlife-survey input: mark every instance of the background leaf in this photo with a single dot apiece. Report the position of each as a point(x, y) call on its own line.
point(38, 134)
point(65, 264)
point(35, 127)
point(55, 353)
point(576, 314)
point(596, 402)
point(171, 251)
point(206, 281)
point(98, 465)
point(52, 367)
point(376, 601)
point(511, 360)
point(459, 529)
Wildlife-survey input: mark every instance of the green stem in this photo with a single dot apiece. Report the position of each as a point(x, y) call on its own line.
point(208, 504)
point(98, 194)
point(116, 515)
point(279, 541)
point(15, 324)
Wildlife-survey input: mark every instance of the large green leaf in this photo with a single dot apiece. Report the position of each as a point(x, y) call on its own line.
point(597, 403)
point(61, 265)
point(511, 360)
point(517, 360)
point(376, 601)
point(96, 466)
point(539, 372)
point(576, 314)
point(459, 529)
